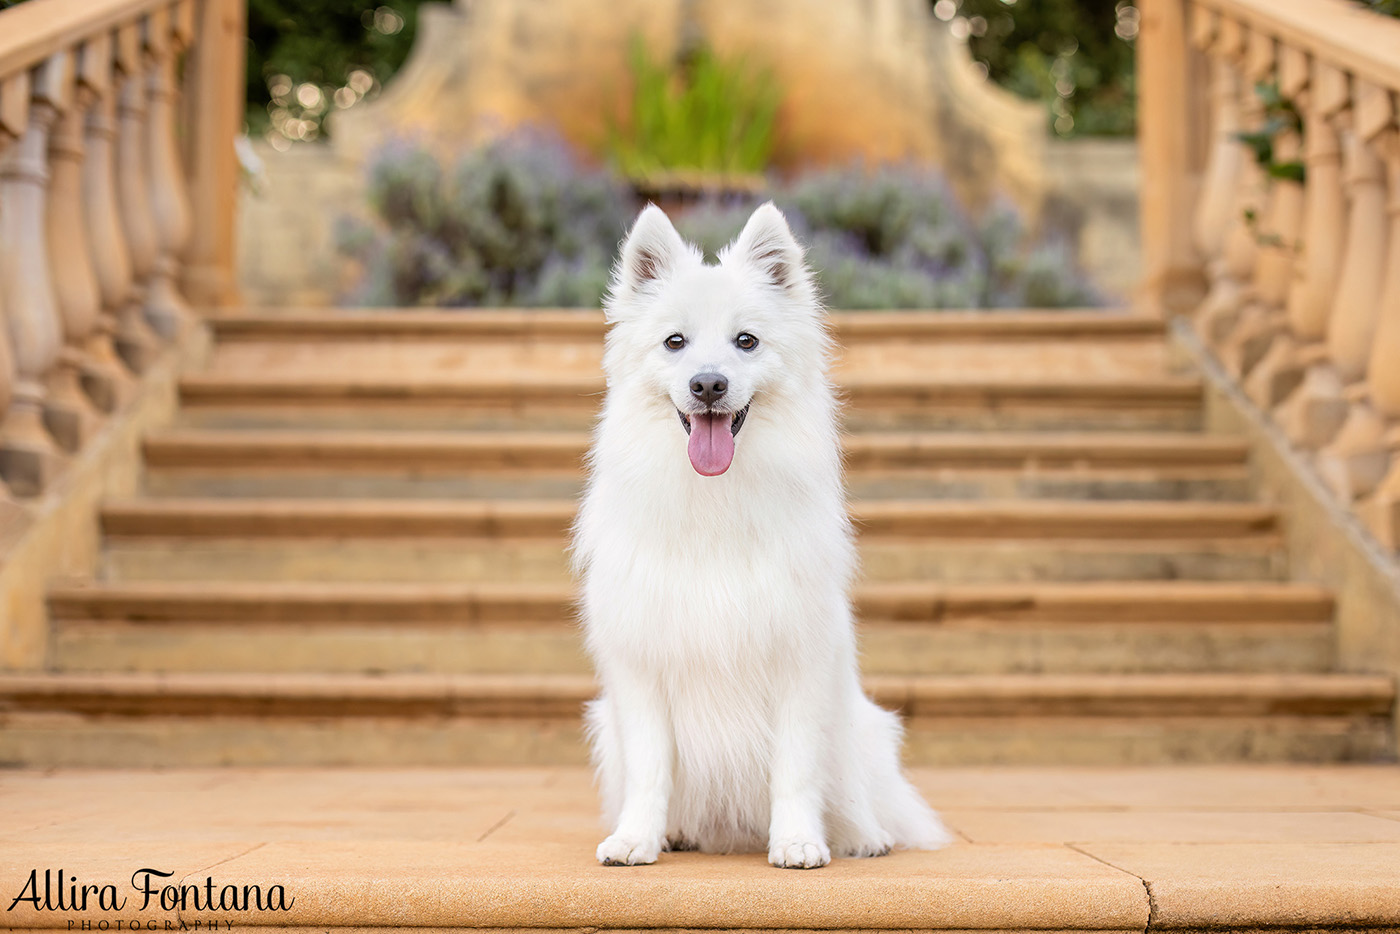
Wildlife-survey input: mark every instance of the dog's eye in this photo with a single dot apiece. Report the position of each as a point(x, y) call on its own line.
point(675, 342)
point(746, 341)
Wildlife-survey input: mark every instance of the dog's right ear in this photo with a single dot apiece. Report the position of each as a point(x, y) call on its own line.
point(649, 254)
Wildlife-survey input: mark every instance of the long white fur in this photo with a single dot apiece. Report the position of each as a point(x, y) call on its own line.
point(716, 609)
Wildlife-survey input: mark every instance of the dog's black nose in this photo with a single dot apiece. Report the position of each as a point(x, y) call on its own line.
point(707, 387)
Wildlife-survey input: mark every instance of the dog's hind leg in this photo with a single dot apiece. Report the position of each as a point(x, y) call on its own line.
point(605, 751)
point(854, 825)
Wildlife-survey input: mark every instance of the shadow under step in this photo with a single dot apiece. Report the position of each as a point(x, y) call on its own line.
point(263, 324)
point(547, 400)
point(550, 519)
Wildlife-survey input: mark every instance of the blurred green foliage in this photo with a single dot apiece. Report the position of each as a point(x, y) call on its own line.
point(322, 43)
point(705, 113)
point(1076, 56)
point(1281, 115)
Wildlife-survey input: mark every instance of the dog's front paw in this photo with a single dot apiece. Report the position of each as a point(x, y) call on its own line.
point(618, 850)
point(795, 854)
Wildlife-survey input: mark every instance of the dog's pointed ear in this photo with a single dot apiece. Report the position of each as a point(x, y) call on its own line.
point(650, 253)
point(767, 245)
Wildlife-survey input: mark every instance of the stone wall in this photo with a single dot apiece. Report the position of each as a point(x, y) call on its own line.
point(287, 220)
point(1091, 198)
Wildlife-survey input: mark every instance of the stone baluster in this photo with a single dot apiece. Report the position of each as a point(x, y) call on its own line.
point(75, 290)
point(170, 211)
point(14, 120)
point(111, 260)
point(1264, 320)
point(28, 455)
point(1242, 246)
point(1314, 415)
point(1218, 186)
point(1231, 286)
point(132, 168)
point(1381, 511)
point(1323, 233)
point(107, 378)
point(1356, 460)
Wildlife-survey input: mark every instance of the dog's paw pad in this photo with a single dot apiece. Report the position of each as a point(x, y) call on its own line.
point(627, 851)
point(798, 855)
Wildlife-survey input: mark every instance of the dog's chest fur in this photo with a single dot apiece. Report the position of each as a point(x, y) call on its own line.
point(732, 573)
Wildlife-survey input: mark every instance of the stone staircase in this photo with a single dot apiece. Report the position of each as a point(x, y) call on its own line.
point(349, 550)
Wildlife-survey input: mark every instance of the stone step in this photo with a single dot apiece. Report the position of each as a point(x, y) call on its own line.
point(1171, 848)
point(908, 628)
point(1135, 522)
point(1256, 558)
point(531, 450)
point(534, 464)
point(522, 540)
point(206, 718)
point(318, 326)
point(504, 648)
point(554, 400)
point(970, 351)
point(912, 602)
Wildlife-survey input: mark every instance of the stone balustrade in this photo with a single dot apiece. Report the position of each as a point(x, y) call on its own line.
point(107, 107)
point(1294, 284)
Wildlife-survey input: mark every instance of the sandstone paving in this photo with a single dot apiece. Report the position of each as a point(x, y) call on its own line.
point(1216, 826)
point(555, 882)
point(1045, 848)
point(1194, 787)
point(1281, 884)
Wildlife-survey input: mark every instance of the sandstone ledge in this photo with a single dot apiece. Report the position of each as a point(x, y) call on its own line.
point(1048, 849)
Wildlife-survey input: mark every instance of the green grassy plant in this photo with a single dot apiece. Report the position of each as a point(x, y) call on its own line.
point(712, 114)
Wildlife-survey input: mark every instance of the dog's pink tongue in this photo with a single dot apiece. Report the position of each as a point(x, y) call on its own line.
point(711, 445)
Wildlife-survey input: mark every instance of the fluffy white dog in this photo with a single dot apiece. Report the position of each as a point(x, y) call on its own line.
point(717, 557)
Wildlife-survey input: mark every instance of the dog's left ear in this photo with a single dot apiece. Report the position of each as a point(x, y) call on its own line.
point(769, 248)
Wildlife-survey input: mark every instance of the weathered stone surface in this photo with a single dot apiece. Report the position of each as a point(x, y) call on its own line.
point(1044, 849)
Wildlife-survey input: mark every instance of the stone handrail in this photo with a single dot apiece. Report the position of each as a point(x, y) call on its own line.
point(108, 109)
point(1293, 282)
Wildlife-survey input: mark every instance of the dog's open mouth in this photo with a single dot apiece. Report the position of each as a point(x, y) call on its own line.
point(711, 445)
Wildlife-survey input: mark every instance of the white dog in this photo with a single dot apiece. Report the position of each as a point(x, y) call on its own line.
point(716, 558)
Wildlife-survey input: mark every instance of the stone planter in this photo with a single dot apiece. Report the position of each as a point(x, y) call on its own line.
point(675, 190)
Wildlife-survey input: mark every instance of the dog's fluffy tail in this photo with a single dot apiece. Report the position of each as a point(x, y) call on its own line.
point(899, 807)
